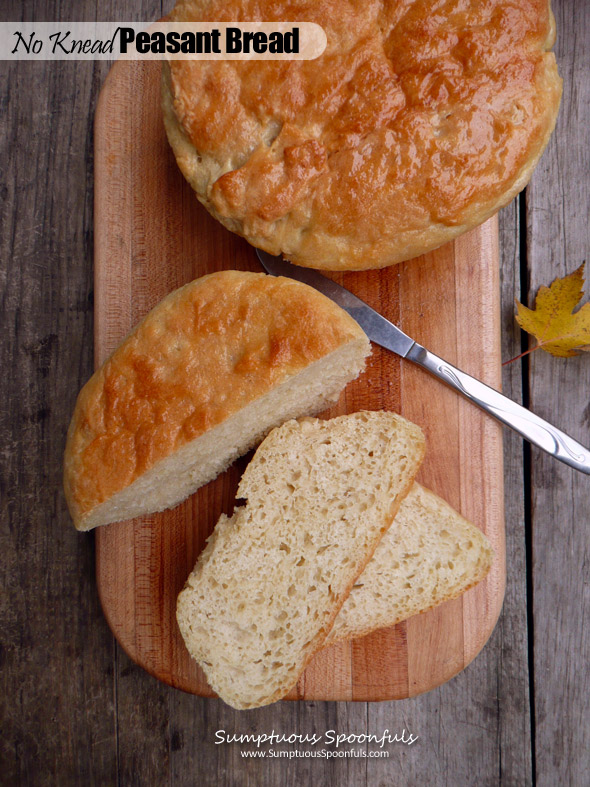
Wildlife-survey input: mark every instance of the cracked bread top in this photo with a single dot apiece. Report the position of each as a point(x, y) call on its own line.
point(417, 123)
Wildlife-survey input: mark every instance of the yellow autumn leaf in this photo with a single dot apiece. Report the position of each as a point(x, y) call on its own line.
point(557, 328)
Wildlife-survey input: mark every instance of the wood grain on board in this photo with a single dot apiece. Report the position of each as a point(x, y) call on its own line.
point(151, 236)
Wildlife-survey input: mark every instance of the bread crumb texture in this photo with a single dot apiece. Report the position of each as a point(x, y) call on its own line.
point(431, 555)
point(266, 589)
point(208, 352)
point(417, 123)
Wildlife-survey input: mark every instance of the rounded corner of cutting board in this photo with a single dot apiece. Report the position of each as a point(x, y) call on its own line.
point(471, 653)
point(491, 622)
point(146, 213)
point(117, 619)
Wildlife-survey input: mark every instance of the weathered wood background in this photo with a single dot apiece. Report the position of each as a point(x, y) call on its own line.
point(75, 710)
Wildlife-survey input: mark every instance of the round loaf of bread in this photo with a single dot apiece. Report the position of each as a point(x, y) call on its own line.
point(416, 124)
point(201, 380)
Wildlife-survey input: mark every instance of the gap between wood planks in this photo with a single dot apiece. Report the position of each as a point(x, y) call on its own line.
point(526, 461)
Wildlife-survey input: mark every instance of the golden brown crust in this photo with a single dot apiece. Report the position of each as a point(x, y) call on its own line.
point(206, 351)
point(412, 127)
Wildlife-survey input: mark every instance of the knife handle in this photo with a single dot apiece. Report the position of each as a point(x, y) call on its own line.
point(530, 426)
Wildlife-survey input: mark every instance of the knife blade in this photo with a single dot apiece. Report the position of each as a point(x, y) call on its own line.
point(384, 333)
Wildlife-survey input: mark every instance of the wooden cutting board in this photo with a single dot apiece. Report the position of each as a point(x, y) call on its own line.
point(151, 236)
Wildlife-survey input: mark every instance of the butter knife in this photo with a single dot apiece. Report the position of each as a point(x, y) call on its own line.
point(387, 335)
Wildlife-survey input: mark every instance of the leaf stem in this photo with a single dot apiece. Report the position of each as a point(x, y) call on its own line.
point(518, 357)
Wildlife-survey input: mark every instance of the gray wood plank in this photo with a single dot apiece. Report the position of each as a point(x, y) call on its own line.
point(558, 207)
point(198, 719)
point(57, 652)
point(514, 755)
point(166, 736)
point(59, 715)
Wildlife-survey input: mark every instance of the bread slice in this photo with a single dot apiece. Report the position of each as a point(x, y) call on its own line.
point(430, 555)
point(266, 589)
point(200, 381)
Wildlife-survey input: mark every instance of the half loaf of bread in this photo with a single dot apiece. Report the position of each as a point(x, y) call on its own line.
point(266, 589)
point(200, 381)
point(430, 555)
